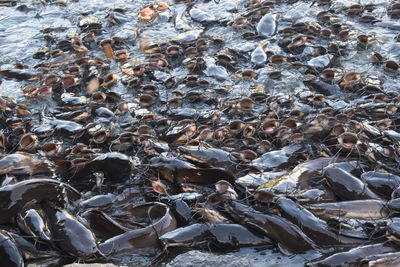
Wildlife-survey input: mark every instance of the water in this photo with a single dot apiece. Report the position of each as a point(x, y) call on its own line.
point(33, 26)
point(244, 257)
point(24, 33)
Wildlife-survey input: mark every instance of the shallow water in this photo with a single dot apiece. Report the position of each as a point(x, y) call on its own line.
point(244, 257)
point(23, 33)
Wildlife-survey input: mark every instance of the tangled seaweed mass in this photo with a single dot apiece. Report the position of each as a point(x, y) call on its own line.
point(153, 128)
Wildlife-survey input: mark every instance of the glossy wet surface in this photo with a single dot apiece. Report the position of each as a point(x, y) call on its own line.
point(237, 60)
